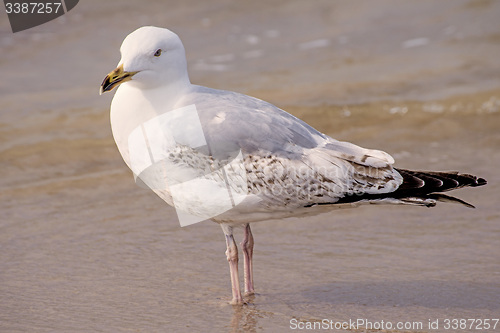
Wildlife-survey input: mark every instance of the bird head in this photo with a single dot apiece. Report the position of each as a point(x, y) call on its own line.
point(150, 57)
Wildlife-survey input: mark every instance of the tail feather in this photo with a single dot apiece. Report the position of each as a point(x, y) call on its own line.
point(422, 188)
point(430, 184)
point(448, 198)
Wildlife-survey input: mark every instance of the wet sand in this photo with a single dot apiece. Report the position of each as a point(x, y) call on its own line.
point(82, 248)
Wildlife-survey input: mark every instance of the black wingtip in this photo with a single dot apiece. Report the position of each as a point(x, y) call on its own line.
point(448, 198)
point(480, 182)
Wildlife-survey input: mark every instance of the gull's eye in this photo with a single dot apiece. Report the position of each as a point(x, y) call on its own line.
point(158, 53)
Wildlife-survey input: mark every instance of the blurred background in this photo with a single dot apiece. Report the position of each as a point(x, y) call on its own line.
point(82, 248)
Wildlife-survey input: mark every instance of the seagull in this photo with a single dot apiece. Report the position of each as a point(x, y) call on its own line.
point(235, 159)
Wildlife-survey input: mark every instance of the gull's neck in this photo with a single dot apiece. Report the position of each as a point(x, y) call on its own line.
point(171, 92)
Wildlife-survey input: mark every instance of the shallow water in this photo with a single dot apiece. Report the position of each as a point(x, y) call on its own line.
point(82, 248)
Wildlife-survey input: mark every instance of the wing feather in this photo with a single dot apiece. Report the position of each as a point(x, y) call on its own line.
point(285, 154)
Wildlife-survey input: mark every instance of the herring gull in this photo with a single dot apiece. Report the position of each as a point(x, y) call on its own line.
point(235, 159)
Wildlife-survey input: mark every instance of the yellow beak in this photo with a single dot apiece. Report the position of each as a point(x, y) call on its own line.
point(115, 78)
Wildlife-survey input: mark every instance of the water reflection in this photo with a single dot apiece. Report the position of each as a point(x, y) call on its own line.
point(245, 317)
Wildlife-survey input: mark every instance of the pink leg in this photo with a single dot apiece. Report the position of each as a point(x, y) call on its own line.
point(247, 247)
point(232, 258)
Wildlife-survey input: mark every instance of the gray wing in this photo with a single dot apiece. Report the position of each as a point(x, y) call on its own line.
point(249, 124)
point(288, 162)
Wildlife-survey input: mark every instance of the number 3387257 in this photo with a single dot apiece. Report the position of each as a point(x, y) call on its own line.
point(32, 7)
